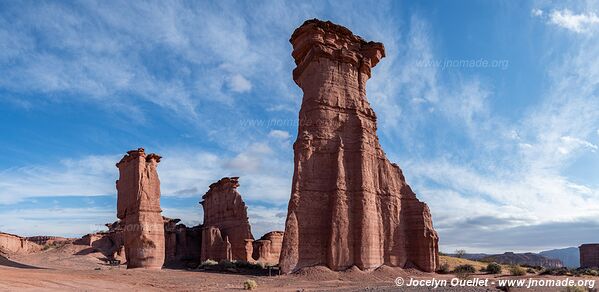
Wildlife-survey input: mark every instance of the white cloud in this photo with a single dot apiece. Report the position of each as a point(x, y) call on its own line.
point(127, 54)
point(182, 173)
point(250, 159)
point(266, 219)
point(516, 167)
point(278, 134)
point(571, 143)
point(239, 84)
point(537, 12)
point(92, 175)
point(578, 23)
point(70, 222)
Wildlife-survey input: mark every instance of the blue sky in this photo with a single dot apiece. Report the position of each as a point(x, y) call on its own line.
point(490, 108)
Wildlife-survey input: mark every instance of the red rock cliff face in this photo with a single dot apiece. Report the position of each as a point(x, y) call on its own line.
point(226, 227)
point(138, 205)
point(349, 205)
point(268, 248)
point(12, 244)
point(589, 255)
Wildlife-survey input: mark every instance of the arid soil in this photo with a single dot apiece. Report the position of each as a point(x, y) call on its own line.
point(75, 267)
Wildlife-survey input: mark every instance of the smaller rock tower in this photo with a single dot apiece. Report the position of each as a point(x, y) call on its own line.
point(226, 227)
point(138, 205)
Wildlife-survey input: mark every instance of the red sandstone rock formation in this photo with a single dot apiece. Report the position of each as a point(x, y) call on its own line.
point(43, 239)
point(589, 255)
point(349, 205)
point(110, 243)
point(189, 244)
point(138, 206)
point(182, 244)
point(268, 248)
point(170, 239)
point(11, 244)
point(226, 227)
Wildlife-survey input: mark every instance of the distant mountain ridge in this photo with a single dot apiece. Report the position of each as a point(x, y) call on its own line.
point(529, 258)
point(568, 257)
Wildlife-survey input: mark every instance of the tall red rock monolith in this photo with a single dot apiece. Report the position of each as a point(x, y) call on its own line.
point(226, 227)
point(138, 205)
point(349, 205)
point(589, 255)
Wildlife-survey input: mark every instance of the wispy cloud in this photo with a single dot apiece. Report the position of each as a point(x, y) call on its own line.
point(183, 173)
point(575, 22)
point(70, 222)
point(93, 175)
point(565, 18)
point(525, 182)
point(123, 53)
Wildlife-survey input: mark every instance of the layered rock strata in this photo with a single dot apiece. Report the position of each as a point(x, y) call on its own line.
point(138, 205)
point(110, 243)
point(226, 227)
point(13, 244)
point(267, 249)
point(349, 204)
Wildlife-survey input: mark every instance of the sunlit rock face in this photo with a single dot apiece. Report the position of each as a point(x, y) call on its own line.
point(268, 248)
point(226, 227)
point(13, 244)
point(349, 204)
point(138, 206)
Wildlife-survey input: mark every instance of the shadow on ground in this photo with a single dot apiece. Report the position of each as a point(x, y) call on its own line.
point(8, 263)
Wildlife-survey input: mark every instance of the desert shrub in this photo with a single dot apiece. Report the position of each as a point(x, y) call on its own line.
point(460, 253)
point(558, 272)
point(249, 266)
point(493, 268)
point(208, 263)
point(443, 269)
point(464, 271)
point(55, 244)
point(516, 270)
point(465, 268)
point(249, 285)
point(538, 268)
point(588, 272)
point(531, 271)
point(226, 264)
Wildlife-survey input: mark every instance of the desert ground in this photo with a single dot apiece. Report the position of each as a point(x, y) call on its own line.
point(76, 268)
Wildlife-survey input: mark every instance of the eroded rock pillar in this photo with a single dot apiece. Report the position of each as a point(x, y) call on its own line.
point(349, 204)
point(138, 206)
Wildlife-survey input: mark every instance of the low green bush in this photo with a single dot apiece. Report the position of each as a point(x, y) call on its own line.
point(443, 269)
point(516, 270)
point(493, 268)
point(464, 271)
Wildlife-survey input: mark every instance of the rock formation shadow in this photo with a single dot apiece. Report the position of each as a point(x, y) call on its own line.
point(8, 263)
point(86, 251)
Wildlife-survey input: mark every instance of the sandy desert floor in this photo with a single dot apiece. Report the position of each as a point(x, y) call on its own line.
point(74, 268)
